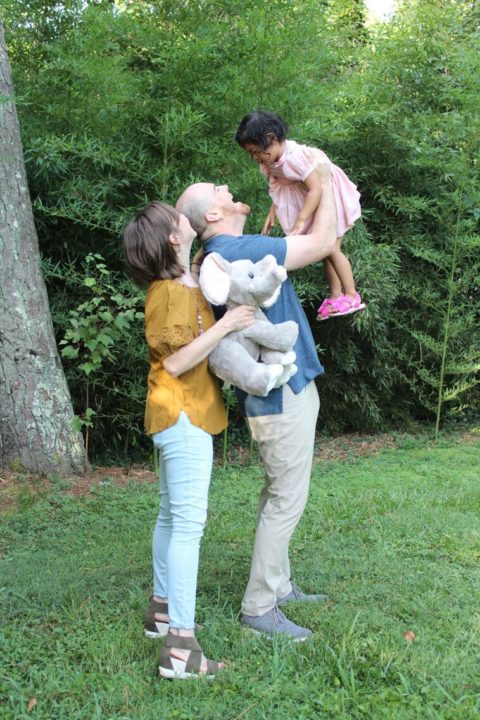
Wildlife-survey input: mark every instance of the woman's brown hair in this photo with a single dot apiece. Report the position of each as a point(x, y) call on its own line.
point(148, 252)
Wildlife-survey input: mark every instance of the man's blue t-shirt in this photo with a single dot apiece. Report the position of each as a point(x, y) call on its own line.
point(287, 307)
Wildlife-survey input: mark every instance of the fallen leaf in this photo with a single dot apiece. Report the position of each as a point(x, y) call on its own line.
point(31, 704)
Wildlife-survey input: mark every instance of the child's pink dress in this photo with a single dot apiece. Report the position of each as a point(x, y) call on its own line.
point(287, 191)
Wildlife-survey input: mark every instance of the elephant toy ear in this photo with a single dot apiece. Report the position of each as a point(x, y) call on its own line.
point(215, 279)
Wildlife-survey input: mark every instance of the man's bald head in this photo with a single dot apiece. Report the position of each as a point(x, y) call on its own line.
point(195, 202)
point(211, 209)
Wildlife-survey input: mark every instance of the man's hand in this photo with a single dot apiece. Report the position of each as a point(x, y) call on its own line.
point(297, 228)
point(321, 166)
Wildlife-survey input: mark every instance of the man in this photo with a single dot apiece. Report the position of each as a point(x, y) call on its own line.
point(283, 423)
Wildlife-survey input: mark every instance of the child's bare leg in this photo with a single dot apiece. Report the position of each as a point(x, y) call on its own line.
point(343, 269)
point(332, 279)
point(340, 277)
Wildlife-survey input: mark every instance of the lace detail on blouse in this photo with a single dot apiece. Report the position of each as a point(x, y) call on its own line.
point(171, 338)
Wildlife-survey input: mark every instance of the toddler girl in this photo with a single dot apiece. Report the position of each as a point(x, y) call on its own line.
point(295, 192)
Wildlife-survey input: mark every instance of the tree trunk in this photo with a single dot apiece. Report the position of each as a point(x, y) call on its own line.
point(35, 406)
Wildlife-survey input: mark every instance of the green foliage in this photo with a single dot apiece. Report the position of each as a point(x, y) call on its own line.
point(98, 332)
point(426, 201)
point(99, 322)
point(121, 103)
point(391, 538)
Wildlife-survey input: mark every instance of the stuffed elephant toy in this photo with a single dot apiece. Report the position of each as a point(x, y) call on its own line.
point(260, 357)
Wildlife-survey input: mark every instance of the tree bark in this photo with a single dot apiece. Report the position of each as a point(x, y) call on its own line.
point(35, 407)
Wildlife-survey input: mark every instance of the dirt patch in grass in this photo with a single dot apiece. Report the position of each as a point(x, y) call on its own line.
point(348, 447)
point(110, 475)
point(17, 488)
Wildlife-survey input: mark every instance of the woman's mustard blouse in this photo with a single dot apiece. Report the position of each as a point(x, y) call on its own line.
point(171, 321)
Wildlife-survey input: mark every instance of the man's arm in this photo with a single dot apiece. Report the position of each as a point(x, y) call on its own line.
point(311, 202)
point(321, 242)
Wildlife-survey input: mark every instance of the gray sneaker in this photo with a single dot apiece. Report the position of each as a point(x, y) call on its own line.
point(297, 595)
point(274, 622)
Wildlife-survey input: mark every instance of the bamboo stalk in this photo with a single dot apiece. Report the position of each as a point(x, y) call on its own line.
point(446, 336)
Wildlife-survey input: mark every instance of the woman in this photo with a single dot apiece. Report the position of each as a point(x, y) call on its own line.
point(184, 409)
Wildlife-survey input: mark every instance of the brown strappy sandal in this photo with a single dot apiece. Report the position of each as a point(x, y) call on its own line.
point(172, 668)
point(155, 628)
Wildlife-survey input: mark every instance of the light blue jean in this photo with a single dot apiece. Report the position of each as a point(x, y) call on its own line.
point(185, 467)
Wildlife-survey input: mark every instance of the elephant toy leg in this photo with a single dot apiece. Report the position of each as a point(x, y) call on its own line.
point(231, 362)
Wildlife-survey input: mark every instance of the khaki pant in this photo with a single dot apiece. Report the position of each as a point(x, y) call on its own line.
point(286, 446)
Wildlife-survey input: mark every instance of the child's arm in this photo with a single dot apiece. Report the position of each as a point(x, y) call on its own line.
point(269, 221)
point(312, 200)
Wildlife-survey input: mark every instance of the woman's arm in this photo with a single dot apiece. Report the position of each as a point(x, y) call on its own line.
point(190, 355)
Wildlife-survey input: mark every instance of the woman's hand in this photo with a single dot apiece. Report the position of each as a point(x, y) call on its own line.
point(190, 355)
point(238, 318)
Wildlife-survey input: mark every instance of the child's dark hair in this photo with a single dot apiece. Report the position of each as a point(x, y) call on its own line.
point(149, 254)
point(256, 127)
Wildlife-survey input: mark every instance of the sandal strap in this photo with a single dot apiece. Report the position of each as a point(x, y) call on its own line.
point(325, 304)
point(158, 605)
point(182, 643)
point(324, 308)
point(194, 661)
point(212, 666)
point(155, 606)
point(341, 304)
point(165, 660)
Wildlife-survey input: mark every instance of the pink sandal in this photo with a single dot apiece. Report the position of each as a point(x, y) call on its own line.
point(325, 309)
point(343, 305)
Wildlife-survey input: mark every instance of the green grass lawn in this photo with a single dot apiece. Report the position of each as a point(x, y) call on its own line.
point(393, 539)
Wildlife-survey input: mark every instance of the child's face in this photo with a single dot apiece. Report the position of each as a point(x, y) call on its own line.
point(268, 156)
